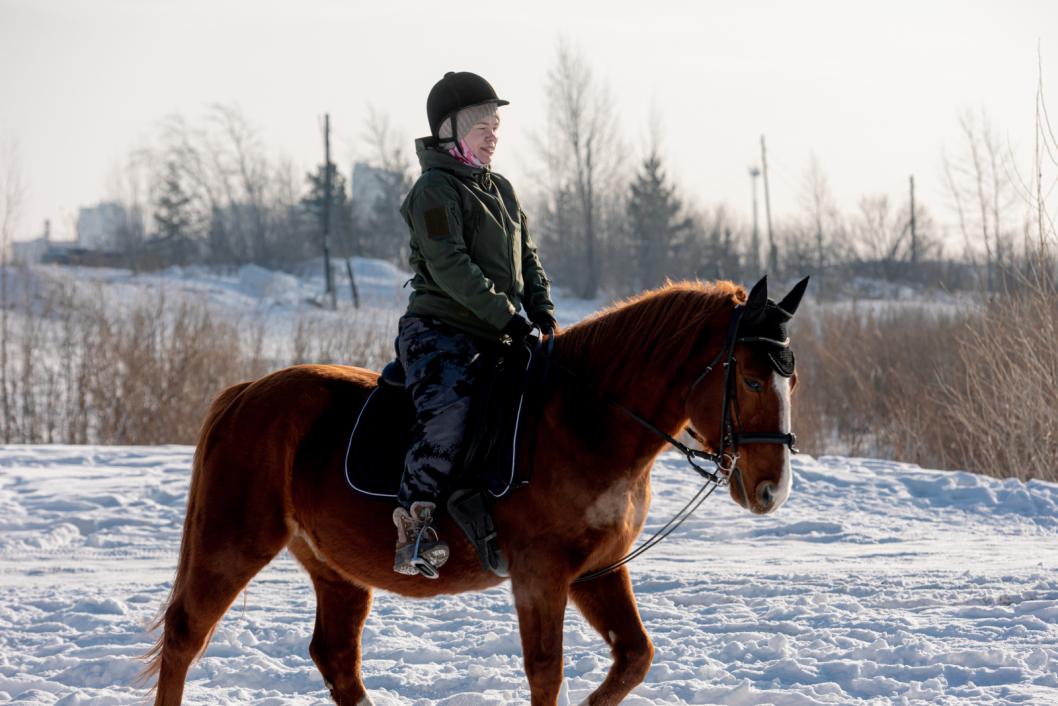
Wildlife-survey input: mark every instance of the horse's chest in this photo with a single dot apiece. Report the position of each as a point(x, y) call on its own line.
point(622, 507)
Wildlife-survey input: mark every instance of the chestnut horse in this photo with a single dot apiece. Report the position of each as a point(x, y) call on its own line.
point(268, 474)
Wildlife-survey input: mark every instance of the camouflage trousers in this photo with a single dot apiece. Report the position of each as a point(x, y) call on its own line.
point(436, 359)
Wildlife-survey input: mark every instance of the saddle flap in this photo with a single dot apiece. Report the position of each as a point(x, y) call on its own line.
point(381, 435)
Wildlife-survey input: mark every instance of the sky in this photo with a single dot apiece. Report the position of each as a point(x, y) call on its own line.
point(874, 90)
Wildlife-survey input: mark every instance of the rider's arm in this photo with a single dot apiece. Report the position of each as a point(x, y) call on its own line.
point(537, 296)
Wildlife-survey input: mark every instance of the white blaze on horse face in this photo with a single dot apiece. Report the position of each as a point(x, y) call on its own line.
point(781, 385)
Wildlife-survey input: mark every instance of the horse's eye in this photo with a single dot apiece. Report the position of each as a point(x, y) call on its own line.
point(754, 385)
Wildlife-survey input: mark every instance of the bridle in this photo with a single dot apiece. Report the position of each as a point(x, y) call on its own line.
point(725, 458)
point(731, 434)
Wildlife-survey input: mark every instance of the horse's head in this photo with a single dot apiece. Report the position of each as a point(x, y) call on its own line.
point(739, 401)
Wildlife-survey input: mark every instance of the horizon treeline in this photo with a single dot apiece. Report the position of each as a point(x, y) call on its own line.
point(606, 220)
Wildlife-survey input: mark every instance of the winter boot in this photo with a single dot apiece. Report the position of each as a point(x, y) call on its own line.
point(419, 550)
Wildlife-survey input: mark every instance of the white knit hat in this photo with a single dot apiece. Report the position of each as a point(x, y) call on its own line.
point(466, 119)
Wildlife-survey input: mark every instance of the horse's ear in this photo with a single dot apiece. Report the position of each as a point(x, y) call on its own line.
point(758, 298)
point(792, 300)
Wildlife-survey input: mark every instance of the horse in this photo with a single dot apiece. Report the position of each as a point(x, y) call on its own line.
point(267, 474)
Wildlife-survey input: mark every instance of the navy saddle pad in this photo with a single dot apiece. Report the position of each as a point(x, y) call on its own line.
point(374, 458)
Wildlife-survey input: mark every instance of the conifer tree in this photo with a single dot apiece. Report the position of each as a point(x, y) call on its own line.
point(341, 210)
point(656, 224)
point(172, 213)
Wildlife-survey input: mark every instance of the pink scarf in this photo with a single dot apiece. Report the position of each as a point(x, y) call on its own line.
point(465, 156)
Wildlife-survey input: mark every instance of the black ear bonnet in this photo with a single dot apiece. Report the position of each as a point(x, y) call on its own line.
point(769, 332)
point(764, 325)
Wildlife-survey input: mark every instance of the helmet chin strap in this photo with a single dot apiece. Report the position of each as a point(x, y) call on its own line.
point(455, 137)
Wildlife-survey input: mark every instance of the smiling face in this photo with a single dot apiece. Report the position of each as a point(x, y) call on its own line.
point(482, 138)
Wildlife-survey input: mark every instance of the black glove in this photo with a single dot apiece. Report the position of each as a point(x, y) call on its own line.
point(518, 328)
point(544, 320)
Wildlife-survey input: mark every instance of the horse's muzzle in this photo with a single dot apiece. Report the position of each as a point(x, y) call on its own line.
point(766, 495)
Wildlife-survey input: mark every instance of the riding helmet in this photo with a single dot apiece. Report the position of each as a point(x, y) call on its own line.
point(456, 91)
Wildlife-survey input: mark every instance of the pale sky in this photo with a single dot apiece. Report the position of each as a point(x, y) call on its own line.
point(874, 89)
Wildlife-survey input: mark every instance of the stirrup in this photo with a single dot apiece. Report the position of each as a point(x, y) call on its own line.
point(428, 553)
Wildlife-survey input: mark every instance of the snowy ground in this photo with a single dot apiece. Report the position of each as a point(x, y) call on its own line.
point(877, 583)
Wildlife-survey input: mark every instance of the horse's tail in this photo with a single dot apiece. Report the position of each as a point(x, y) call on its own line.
point(216, 411)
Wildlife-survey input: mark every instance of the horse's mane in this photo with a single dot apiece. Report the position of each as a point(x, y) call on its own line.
point(660, 325)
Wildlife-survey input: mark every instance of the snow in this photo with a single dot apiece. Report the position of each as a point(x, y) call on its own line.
point(877, 583)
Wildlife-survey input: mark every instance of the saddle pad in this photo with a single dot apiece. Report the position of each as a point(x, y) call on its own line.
point(374, 457)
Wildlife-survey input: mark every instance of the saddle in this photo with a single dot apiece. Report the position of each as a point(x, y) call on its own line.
point(488, 470)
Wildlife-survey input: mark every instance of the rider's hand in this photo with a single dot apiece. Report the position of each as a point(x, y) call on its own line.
point(544, 320)
point(518, 328)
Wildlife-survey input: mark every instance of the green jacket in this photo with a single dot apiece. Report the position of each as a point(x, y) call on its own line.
point(471, 253)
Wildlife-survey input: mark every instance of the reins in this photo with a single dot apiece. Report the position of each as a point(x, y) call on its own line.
point(724, 461)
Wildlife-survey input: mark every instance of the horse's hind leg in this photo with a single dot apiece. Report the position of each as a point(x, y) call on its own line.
point(341, 610)
point(226, 542)
point(609, 605)
point(211, 585)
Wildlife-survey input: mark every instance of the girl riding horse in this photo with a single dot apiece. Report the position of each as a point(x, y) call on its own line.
point(475, 266)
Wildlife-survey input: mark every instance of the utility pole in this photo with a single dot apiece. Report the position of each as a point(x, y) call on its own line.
point(914, 234)
point(754, 261)
point(354, 248)
point(328, 276)
point(773, 252)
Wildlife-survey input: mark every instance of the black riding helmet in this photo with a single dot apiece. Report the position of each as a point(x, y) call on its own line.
point(456, 91)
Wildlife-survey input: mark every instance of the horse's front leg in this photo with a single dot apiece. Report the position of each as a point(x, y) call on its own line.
point(540, 599)
point(609, 605)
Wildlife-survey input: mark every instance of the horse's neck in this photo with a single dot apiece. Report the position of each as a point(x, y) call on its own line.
point(655, 398)
point(620, 445)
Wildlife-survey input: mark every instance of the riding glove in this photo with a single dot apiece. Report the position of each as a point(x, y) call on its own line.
point(544, 320)
point(518, 328)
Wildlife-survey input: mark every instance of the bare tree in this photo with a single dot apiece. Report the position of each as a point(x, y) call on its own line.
point(235, 193)
point(981, 192)
point(818, 203)
point(239, 156)
point(882, 236)
point(1037, 193)
point(381, 231)
point(190, 148)
point(876, 231)
point(129, 184)
point(582, 145)
point(12, 195)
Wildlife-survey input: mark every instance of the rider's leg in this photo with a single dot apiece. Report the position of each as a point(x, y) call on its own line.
point(436, 358)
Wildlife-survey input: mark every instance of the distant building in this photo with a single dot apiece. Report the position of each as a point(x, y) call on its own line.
point(98, 226)
point(28, 252)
